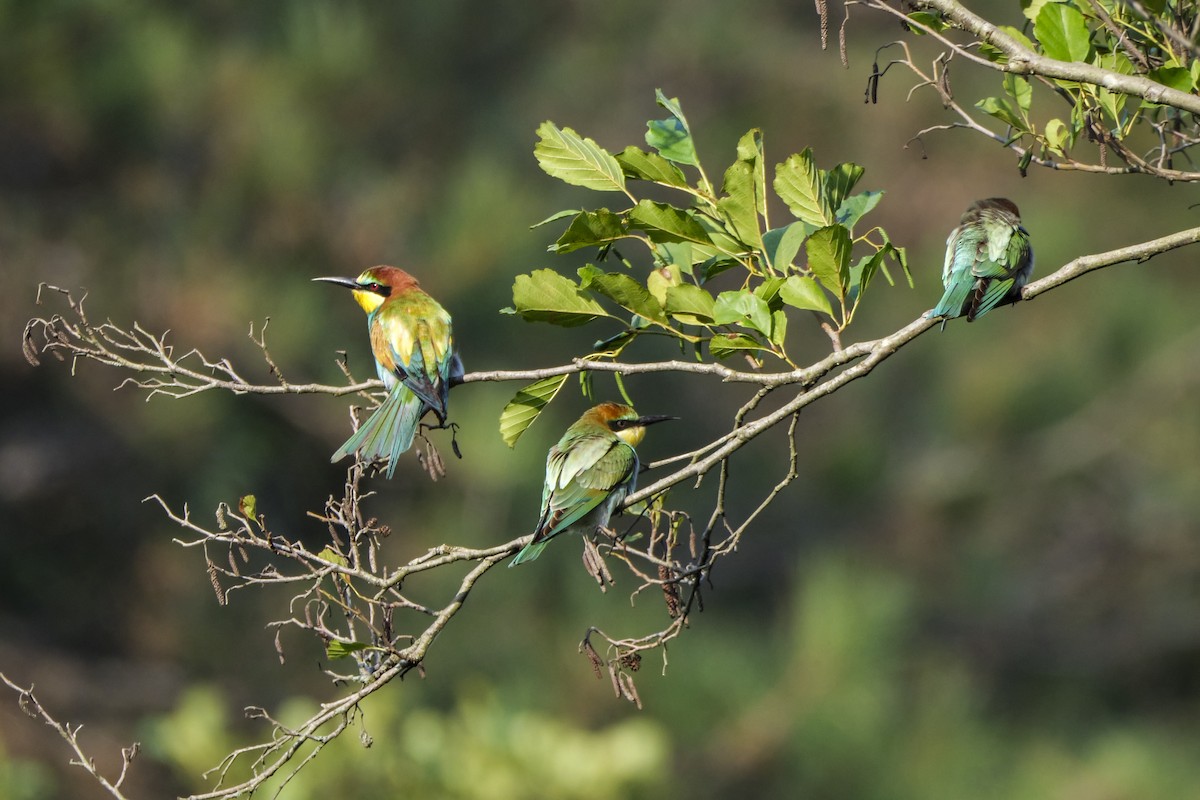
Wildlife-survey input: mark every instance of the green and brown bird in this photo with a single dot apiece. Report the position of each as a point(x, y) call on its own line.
point(415, 357)
point(588, 474)
point(988, 260)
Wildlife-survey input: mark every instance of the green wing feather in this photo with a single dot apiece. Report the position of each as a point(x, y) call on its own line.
point(1006, 269)
point(614, 469)
point(961, 249)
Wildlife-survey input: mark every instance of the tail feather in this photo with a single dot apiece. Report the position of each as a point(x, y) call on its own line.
point(951, 304)
point(388, 432)
point(990, 297)
point(529, 552)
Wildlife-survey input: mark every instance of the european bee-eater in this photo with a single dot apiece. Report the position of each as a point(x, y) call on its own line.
point(588, 473)
point(415, 357)
point(988, 260)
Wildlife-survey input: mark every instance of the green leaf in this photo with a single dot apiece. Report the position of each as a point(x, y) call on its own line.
point(662, 278)
point(738, 207)
point(678, 254)
point(839, 182)
point(1018, 89)
point(624, 291)
point(666, 223)
point(671, 137)
point(1001, 110)
point(992, 54)
point(778, 328)
point(928, 19)
point(1118, 62)
point(723, 243)
point(247, 506)
point(782, 244)
point(1175, 77)
point(1034, 7)
point(671, 104)
point(335, 649)
point(862, 272)
point(565, 155)
point(828, 252)
point(797, 182)
point(671, 140)
point(768, 290)
point(1055, 134)
point(590, 229)
point(801, 291)
point(639, 164)
point(899, 254)
point(570, 212)
point(715, 266)
point(744, 308)
point(613, 345)
point(525, 407)
point(545, 296)
point(1112, 103)
point(745, 199)
point(723, 345)
point(750, 151)
point(1063, 32)
point(690, 304)
point(855, 208)
point(333, 557)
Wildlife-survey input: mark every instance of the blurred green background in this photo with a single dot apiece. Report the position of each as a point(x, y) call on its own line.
point(985, 583)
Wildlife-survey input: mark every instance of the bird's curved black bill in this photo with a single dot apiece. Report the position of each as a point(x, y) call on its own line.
point(349, 283)
point(653, 418)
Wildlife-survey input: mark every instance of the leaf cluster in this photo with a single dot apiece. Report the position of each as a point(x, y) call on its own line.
point(721, 277)
point(1154, 40)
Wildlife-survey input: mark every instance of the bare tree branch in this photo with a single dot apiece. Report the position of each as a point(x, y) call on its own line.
point(30, 705)
point(1134, 252)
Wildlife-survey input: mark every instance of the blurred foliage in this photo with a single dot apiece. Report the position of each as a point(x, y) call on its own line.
point(480, 748)
point(22, 779)
point(998, 530)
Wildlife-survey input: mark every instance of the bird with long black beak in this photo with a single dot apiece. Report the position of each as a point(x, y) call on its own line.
point(415, 357)
point(591, 470)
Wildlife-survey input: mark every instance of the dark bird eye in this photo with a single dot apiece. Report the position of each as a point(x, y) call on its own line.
point(619, 424)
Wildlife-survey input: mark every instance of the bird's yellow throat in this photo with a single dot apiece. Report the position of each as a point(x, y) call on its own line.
point(368, 300)
point(632, 436)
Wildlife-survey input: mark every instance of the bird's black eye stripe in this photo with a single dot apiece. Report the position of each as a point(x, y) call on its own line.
point(620, 424)
point(375, 287)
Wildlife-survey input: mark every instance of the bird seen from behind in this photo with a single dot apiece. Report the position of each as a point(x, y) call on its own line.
point(415, 357)
point(988, 260)
point(591, 470)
